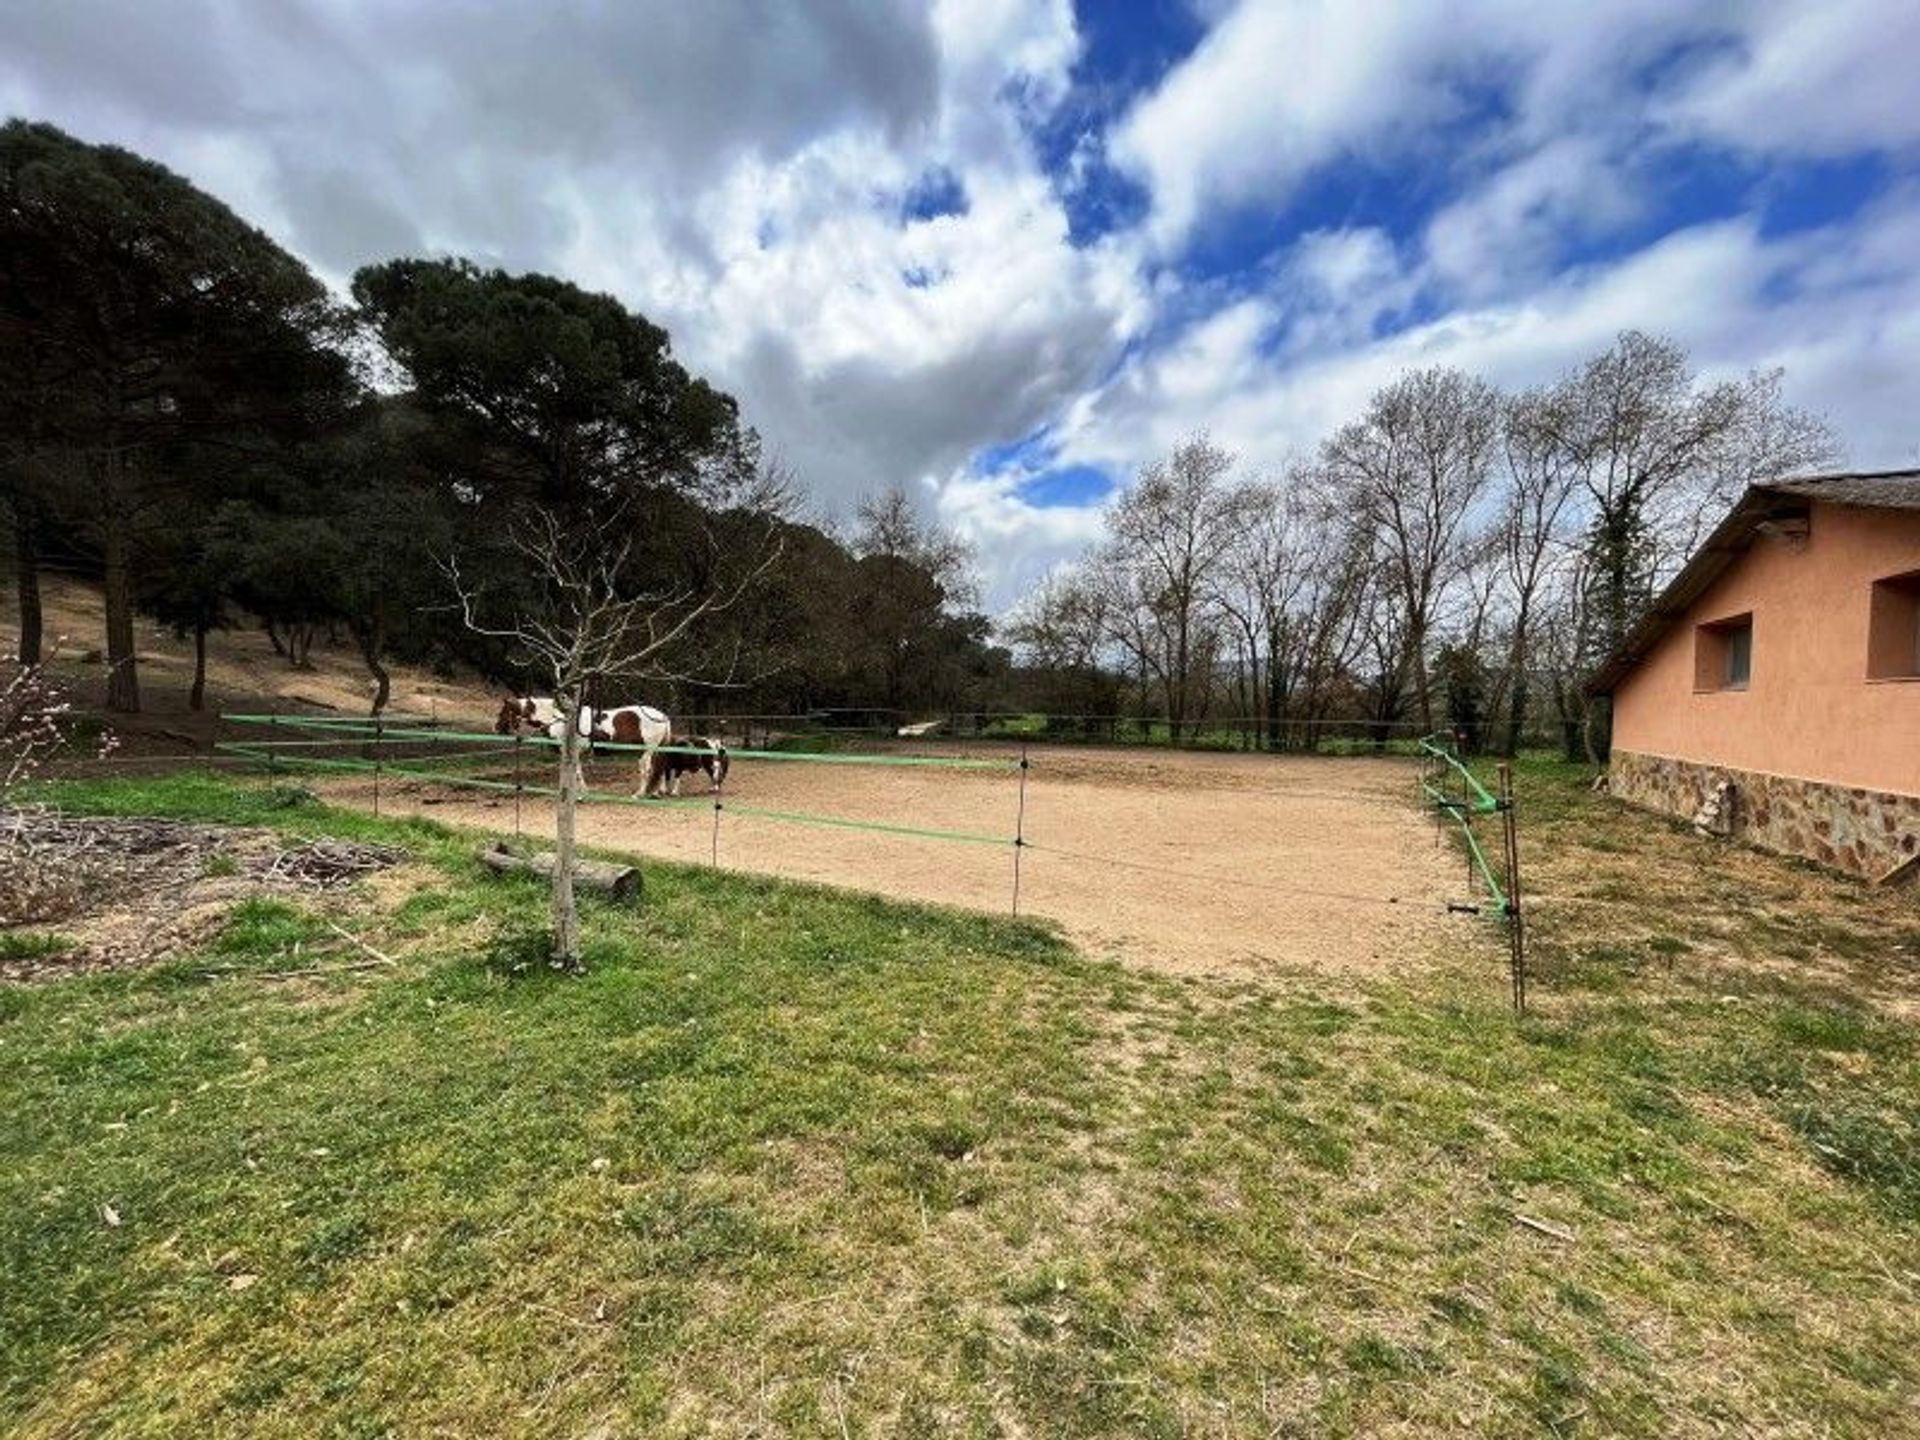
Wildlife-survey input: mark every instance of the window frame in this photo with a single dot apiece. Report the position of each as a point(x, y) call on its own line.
point(1717, 644)
point(1893, 629)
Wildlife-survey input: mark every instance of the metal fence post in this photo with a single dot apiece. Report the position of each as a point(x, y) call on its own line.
point(1516, 923)
point(1020, 827)
point(379, 733)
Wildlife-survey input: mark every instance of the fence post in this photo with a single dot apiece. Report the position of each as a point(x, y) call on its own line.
point(519, 781)
point(1020, 827)
point(273, 743)
point(1516, 924)
point(379, 732)
point(1466, 803)
point(714, 857)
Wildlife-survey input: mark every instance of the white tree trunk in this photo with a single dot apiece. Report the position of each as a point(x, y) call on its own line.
point(566, 912)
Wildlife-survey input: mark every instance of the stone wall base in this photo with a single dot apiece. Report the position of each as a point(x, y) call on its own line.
point(1863, 832)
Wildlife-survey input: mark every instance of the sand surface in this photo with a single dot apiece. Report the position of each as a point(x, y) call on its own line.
point(1193, 862)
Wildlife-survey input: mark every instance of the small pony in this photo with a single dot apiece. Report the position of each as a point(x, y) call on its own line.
point(683, 756)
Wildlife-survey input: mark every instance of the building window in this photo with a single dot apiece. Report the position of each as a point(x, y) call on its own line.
point(1723, 654)
point(1893, 628)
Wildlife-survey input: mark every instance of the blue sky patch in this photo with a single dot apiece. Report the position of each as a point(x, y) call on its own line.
point(937, 192)
point(1816, 193)
point(1070, 485)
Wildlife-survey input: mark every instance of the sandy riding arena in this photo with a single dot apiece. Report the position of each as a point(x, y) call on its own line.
point(1197, 862)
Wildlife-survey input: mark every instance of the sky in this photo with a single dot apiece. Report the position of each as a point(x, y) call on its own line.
point(1004, 254)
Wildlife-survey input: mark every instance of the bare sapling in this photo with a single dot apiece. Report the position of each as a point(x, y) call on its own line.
point(596, 623)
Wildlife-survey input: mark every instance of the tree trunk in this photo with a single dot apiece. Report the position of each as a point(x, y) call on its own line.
point(123, 679)
point(273, 635)
point(1516, 714)
point(197, 696)
point(1518, 696)
point(566, 910)
point(617, 882)
point(26, 550)
point(1273, 687)
point(1422, 687)
point(372, 642)
point(1597, 733)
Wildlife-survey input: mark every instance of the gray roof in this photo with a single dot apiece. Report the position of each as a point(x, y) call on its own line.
point(1893, 489)
point(1772, 501)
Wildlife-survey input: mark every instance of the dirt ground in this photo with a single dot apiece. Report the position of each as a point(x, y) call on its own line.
point(1192, 862)
point(1293, 860)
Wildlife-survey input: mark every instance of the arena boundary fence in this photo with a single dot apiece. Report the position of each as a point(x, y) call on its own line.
point(421, 750)
point(1454, 792)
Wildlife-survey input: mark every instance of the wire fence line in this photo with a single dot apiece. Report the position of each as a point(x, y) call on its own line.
point(441, 756)
point(1442, 766)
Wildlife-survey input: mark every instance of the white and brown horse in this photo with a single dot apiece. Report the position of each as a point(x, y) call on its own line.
point(683, 755)
point(540, 715)
point(626, 725)
point(632, 725)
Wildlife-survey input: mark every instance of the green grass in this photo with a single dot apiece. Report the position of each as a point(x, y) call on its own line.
point(815, 742)
point(32, 945)
point(788, 1161)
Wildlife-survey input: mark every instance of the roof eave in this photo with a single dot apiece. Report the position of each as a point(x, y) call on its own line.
point(1728, 542)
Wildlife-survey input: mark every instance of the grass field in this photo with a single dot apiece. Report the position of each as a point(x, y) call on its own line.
point(791, 1161)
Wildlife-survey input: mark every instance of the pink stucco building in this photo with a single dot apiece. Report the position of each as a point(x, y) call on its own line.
point(1773, 691)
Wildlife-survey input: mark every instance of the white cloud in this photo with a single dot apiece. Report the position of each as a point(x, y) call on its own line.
point(1838, 307)
point(735, 171)
point(1512, 229)
point(1280, 88)
point(1815, 79)
point(1272, 92)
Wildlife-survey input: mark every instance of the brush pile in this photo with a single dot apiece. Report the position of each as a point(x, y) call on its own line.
point(130, 890)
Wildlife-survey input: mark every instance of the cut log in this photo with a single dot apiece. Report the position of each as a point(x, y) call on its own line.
point(1907, 869)
point(616, 882)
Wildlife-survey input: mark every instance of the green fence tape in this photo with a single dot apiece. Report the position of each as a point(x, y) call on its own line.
point(1462, 815)
point(365, 731)
point(1445, 751)
point(474, 782)
point(467, 782)
point(840, 823)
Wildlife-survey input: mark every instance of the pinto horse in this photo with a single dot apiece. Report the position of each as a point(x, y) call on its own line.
point(632, 725)
point(627, 725)
point(684, 755)
point(540, 715)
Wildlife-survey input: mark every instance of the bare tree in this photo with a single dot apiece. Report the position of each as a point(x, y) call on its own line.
point(889, 527)
point(1533, 528)
point(1169, 536)
point(591, 625)
point(1410, 470)
point(1660, 456)
point(1262, 587)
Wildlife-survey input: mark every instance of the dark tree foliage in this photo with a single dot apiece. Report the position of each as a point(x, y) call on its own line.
point(547, 392)
point(152, 323)
point(192, 564)
point(180, 413)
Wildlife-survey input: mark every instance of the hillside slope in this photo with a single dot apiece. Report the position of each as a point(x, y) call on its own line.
point(243, 673)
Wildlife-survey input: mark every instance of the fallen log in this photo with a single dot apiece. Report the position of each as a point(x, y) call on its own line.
point(616, 882)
